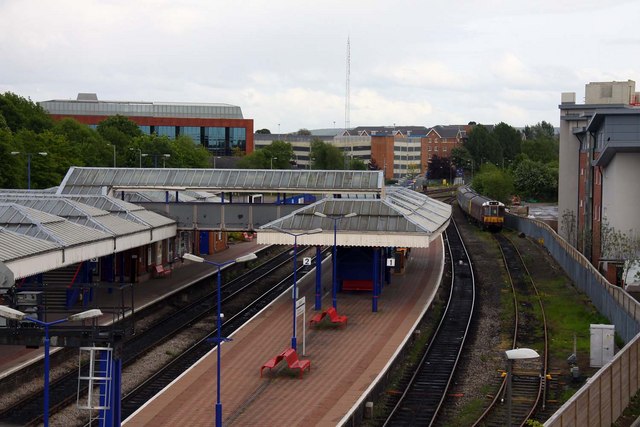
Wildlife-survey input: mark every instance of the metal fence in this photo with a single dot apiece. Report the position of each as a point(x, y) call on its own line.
point(605, 395)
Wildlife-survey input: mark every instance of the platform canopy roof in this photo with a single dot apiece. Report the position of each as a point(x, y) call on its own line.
point(42, 231)
point(109, 180)
point(403, 218)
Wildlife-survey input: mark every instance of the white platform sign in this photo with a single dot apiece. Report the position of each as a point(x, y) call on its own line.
point(391, 262)
point(306, 260)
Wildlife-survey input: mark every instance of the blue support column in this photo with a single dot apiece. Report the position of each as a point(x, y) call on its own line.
point(318, 278)
point(376, 279)
point(166, 196)
point(122, 267)
point(387, 270)
point(113, 415)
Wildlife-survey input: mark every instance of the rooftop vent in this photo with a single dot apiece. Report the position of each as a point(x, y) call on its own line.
point(87, 97)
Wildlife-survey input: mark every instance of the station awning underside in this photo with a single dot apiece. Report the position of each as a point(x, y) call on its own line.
point(110, 180)
point(41, 231)
point(403, 218)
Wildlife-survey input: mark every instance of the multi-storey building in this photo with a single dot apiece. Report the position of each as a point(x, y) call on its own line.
point(598, 201)
point(220, 128)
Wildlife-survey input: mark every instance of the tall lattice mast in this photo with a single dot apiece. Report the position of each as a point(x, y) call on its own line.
point(347, 101)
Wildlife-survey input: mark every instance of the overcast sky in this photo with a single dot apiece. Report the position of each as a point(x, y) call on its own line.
point(284, 62)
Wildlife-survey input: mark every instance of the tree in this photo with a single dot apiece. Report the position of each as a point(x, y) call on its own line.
point(541, 149)
point(373, 165)
point(88, 143)
point(535, 180)
point(119, 131)
point(21, 113)
point(326, 156)
point(263, 132)
point(483, 146)
point(540, 130)
point(357, 165)
point(277, 154)
point(509, 140)
point(493, 183)
point(304, 131)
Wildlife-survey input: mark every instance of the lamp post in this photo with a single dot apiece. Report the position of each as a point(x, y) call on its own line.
point(294, 297)
point(41, 153)
point(12, 314)
point(219, 338)
point(335, 219)
point(114, 154)
point(140, 155)
point(515, 354)
point(164, 159)
point(272, 161)
point(214, 161)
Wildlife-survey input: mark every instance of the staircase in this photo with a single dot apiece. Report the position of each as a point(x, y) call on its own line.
point(57, 284)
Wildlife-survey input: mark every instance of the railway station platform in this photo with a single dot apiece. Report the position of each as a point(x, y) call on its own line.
point(13, 358)
point(345, 361)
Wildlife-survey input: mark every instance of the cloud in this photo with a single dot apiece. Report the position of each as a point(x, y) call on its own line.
point(424, 74)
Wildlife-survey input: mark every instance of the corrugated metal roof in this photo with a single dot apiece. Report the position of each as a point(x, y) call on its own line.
point(125, 210)
point(403, 218)
point(44, 226)
point(99, 180)
point(79, 213)
point(15, 245)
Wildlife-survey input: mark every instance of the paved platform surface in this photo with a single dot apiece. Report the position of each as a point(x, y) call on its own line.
point(16, 357)
point(344, 361)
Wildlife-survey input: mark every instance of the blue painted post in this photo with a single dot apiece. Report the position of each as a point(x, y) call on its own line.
point(45, 419)
point(219, 340)
point(166, 196)
point(376, 279)
point(318, 278)
point(334, 260)
point(294, 343)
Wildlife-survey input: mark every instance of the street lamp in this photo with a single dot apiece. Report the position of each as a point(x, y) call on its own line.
point(12, 314)
point(272, 161)
point(214, 161)
point(335, 219)
point(294, 343)
point(41, 153)
point(114, 154)
point(219, 338)
point(164, 158)
point(140, 153)
point(516, 354)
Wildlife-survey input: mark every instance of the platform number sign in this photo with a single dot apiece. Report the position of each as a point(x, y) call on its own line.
point(306, 260)
point(391, 262)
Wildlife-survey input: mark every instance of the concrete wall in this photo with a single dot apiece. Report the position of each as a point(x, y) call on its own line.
point(620, 204)
point(609, 92)
point(569, 173)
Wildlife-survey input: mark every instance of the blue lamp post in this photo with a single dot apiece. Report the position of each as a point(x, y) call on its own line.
point(219, 338)
point(334, 282)
point(12, 314)
point(41, 153)
point(294, 342)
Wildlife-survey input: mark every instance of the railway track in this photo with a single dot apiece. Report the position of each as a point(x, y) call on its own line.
point(63, 391)
point(425, 390)
point(530, 331)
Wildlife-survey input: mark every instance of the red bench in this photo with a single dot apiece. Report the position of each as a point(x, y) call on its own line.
point(292, 360)
point(160, 271)
point(333, 316)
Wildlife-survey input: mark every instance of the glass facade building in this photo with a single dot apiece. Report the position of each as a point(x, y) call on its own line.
point(220, 128)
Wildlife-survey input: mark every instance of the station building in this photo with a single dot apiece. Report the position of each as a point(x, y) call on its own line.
point(221, 128)
point(598, 199)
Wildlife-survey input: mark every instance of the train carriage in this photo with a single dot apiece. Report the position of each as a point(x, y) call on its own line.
point(487, 212)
